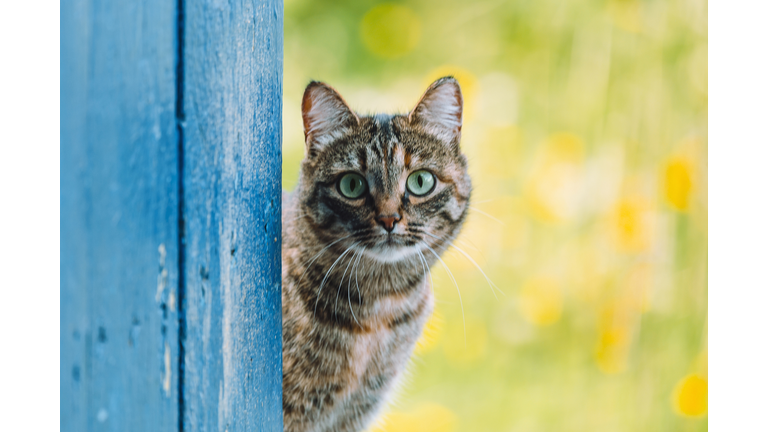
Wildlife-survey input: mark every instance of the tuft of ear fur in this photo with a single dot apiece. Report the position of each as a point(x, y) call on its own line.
point(326, 115)
point(440, 110)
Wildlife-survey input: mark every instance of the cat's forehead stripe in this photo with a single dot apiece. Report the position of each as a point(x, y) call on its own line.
point(406, 159)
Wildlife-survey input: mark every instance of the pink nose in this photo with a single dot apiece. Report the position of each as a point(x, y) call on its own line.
point(388, 221)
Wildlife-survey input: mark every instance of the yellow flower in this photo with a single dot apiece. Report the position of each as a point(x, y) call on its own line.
point(565, 146)
point(632, 224)
point(612, 350)
point(678, 183)
point(425, 417)
point(541, 301)
point(615, 327)
point(390, 30)
point(689, 398)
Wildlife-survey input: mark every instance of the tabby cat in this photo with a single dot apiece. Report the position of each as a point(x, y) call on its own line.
point(379, 199)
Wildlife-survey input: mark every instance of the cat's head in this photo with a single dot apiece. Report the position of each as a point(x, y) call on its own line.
point(388, 185)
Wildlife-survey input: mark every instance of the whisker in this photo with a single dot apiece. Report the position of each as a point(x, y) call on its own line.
point(463, 320)
point(470, 245)
point(425, 264)
point(313, 259)
point(349, 283)
point(466, 255)
point(487, 215)
point(326, 276)
point(298, 217)
point(359, 296)
point(366, 234)
point(485, 201)
point(341, 282)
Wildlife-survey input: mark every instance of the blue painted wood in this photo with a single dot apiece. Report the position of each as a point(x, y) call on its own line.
point(232, 171)
point(119, 220)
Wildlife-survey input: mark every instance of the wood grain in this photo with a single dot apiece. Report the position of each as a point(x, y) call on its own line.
point(119, 220)
point(232, 159)
point(170, 159)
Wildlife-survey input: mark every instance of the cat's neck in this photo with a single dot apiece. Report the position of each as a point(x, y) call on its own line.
point(328, 270)
point(345, 264)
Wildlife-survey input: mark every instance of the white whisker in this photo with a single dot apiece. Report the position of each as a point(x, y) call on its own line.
point(463, 320)
point(349, 283)
point(470, 245)
point(327, 273)
point(359, 296)
point(298, 217)
point(314, 258)
point(341, 282)
point(466, 255)
point(425, 264)
point(487, 215)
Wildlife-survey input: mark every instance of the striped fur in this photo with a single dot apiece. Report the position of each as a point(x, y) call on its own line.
point(355, 297)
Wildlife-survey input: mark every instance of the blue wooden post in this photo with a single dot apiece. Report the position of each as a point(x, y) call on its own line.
point(119, 220)
point(232, 162)
point(170, 215)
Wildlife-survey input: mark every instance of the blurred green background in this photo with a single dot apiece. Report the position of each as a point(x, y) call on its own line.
point(586, 131)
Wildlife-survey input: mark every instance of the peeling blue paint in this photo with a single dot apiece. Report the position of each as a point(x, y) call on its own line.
point(170, 215)
point(233, 126)
point(118, 213)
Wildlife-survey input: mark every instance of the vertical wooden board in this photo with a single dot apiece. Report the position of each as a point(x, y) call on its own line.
point(119, 216)
point(232, 191)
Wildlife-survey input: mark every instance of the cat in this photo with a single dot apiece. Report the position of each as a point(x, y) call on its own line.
point(379, 198)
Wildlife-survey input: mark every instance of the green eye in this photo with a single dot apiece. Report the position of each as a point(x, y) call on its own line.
point(420, 182)
point(352, 185)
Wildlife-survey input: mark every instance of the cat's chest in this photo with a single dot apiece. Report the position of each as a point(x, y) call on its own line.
point(377, 356)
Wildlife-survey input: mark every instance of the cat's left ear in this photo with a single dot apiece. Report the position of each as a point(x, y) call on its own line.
point(326, 116)
point(440, 109)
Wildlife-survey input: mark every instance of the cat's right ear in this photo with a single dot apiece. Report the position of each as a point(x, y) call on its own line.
point(439, 110)
point(326, 117)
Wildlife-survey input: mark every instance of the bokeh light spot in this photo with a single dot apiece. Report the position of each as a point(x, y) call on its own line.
point(690, 396)
point(612, 350)
point(626, 15)
point(425, 417)
point(541, 301)
point(554, 187)
point(632, 224)
point(467, 80)
point(497, 99)
point(678, 183)
point(564, 146)
point(390, 30)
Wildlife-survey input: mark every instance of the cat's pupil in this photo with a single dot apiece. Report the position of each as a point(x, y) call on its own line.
point(420, 179)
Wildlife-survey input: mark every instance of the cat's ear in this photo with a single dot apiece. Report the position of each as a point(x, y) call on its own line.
point(439, 110)
point(326, 116)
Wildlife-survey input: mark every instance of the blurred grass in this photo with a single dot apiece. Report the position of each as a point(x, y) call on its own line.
point(586, 130)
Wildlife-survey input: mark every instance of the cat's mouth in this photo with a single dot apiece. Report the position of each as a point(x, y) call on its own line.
point(394, 240)
point(391, 247)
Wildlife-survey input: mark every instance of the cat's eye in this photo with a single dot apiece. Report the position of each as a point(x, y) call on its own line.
point(352, 185)
point(420, 182)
